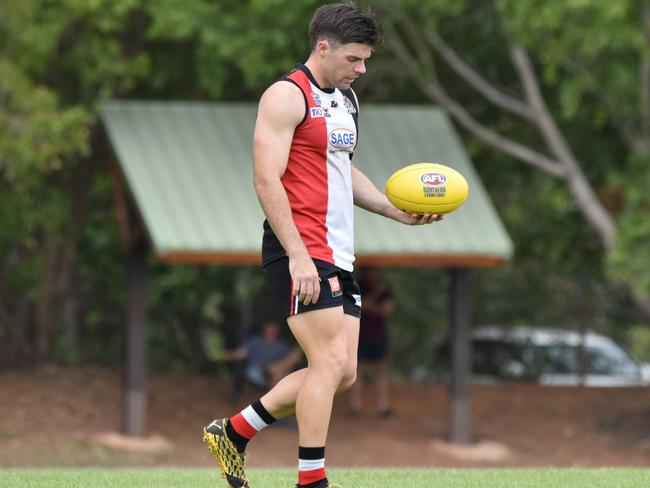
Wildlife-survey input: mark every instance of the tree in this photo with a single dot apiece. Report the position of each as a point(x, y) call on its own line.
point(59, 62)
point(596, 51)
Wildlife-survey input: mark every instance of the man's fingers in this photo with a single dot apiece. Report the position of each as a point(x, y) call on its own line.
point(428, 219)
point(309, 292)
point(316, 290)
point(300, 290)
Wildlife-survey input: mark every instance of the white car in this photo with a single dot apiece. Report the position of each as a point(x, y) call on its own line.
point(551, 356)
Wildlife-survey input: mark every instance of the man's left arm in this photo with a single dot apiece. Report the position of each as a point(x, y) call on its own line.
point(367, 196)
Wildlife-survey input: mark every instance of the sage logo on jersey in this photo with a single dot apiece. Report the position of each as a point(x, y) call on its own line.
point(433, 179)
point(342, 138)
point(316, 112)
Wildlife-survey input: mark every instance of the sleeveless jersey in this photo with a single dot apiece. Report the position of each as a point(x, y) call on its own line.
point(318, 177)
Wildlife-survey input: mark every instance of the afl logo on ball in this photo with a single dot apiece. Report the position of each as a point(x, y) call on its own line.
point(433, 179)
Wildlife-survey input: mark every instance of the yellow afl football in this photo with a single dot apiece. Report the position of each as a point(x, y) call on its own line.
point(429, 188)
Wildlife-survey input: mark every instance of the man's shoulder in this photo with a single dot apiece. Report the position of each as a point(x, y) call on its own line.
point(284, 88)
point(283, 101)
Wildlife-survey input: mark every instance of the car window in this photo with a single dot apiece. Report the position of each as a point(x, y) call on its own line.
point(527, 360)
point(603, 360)
point(609, 360)
point(556, 359)
point(500, 359)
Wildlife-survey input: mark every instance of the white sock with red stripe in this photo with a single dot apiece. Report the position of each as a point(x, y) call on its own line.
point(311, 467)
point(242, 427)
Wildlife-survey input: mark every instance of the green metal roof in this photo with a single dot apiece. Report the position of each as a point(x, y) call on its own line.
point(188, 166)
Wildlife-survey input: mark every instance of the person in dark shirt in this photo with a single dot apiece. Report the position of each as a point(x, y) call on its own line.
point(377, 307)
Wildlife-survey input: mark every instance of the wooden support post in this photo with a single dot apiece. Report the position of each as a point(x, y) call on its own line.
point(135, 374)
point(461, 355)
point(135, 245)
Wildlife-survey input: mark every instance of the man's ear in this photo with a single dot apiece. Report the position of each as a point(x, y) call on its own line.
point(323, 47)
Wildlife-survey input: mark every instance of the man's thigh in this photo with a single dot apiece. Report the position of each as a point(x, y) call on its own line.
point(352, 332)
point(320, 332)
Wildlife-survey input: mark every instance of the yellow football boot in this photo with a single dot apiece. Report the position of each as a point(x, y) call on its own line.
point(231, 462)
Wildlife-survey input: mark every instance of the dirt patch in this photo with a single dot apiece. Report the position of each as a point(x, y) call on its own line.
point(55, 416)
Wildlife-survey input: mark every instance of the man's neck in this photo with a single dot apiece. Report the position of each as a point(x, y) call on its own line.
point(314, 66)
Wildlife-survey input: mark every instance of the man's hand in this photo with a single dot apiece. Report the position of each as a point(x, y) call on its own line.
point(306, 283)
point(415, 219)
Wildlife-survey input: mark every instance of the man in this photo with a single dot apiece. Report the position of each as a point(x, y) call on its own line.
point(263, 359)
point(305, 134)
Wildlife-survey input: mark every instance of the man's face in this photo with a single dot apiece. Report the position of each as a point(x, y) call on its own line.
point(343, 63)
point(270, 331)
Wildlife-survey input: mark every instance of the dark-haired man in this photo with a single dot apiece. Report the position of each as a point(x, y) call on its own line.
point(305, 135)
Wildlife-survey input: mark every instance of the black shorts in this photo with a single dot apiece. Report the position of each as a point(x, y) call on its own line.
point(337, 288)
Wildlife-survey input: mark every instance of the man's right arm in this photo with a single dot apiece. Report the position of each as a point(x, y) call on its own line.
point(281, 109)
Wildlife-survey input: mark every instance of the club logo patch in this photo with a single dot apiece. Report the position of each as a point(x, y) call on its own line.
point(316, 98)
point(349, 105)
point(335, 286)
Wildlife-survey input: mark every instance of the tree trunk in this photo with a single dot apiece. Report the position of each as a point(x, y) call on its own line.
point(47, 299)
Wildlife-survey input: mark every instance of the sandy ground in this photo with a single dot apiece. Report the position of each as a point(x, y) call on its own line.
point(70, 416)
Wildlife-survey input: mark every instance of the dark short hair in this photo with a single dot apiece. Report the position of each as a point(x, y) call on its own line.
point(343, 23)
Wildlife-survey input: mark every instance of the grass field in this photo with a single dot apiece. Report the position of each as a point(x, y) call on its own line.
point(349, 478)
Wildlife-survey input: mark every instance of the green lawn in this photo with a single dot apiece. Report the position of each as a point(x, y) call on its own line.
point(349, 478)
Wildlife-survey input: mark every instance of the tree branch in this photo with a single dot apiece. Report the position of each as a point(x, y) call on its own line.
point(564, 166)
point(491, 137)
point(586, 199)
point(549, 130)
point(435, 91)
point(474, 79)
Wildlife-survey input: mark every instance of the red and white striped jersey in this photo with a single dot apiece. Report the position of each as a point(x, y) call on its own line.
point(318, 177)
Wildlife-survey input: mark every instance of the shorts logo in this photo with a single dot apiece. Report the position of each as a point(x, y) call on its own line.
point(433, 179)
point(342, 138)
point(316, 112)
point(316, 98)
point(335, 286)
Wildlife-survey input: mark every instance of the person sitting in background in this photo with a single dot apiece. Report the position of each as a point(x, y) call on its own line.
point(262, 359)
point(377, 306)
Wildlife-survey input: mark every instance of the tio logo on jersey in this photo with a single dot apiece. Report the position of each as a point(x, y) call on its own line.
point(342, 138)
point(316, 112)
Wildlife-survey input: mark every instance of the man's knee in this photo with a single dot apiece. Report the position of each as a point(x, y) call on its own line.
point(349, 376)
point(330, 366)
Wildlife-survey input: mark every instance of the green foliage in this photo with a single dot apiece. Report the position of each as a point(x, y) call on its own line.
point(585, 49)
point(639, 340)
point(630, 261)
point(60, 61)
point(420, 323)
